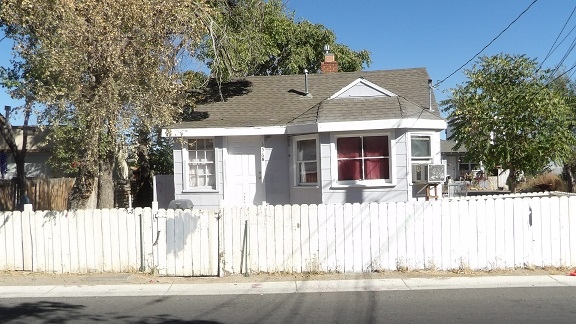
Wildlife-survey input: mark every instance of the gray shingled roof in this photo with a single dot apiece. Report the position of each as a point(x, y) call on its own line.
point(447, 146)
point(280, 101)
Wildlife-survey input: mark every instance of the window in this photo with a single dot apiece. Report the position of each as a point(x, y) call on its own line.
point(421, 148)
point(306, 162)
point(363, 158)
point(201, 172)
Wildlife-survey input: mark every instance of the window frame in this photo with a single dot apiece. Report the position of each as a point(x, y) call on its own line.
point(390, 182)
point(423, 160)
point(186, 185)
point(296, 161)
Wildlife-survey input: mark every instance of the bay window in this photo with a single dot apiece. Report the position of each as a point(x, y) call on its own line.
point(363, 158)
point(306, 162)
point(201, 164)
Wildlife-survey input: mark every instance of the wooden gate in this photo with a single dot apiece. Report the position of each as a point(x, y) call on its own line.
point(187, 242)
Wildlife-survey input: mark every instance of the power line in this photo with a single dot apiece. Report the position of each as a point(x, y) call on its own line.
point(485, 47)
point(552, 48)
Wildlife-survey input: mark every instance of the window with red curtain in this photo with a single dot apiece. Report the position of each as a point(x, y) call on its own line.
point(363, 158)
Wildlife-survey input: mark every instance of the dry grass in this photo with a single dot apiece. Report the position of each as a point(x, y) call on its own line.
point(543, 182)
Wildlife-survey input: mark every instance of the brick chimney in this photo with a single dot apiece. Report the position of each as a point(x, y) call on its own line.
point(329, 65)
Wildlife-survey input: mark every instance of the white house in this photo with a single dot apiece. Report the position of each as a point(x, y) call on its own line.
point(310, 139)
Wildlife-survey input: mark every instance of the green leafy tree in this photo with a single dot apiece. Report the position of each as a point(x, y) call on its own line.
point(106, 66)
point(263, 38)
point(507, 114)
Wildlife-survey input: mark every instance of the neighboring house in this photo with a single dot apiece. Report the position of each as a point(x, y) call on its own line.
point(310, 139)
point(37, 154)
point(457, 165)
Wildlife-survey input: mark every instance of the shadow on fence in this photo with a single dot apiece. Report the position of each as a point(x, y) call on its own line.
point(45, 194)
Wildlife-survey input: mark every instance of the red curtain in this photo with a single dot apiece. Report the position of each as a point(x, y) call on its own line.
point(376, 169)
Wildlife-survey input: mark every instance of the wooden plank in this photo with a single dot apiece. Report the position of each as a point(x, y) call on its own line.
point(401, 222)
point(476, 209)
point(356, 235)
point(213, 235)
point(393, 261)
point(520, 212)
point(297, 246)
point(270, 239)
point(564, 217)
point(555, 232)
point(4, 218)
point(132, 251)
point(314, 256)
point(489, 214)
point(171, 242)
point(115, 240)
point(347, 254)
point(457, 257)
point(124, 242)
point(73, 242)
point(572, 224)
point(335, 234)
point(325, 238)
point(536, 233)
point(36, 221)
point(288, 230)
point(436, 230)
point(279, 239)
point(419, 233)
point(159, 246)
point(17, 262)
point(307, 258)
point(27, 246)
point(258, 239)
point(546, 219)
point(188, 258)
point(446, 235)
point(107, 238)
point(374, 231)
point(410, 223)
point(500, 232)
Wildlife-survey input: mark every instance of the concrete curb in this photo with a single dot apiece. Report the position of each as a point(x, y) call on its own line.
point(285, 287)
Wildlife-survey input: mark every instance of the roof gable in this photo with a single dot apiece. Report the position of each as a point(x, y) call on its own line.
point(362, 88)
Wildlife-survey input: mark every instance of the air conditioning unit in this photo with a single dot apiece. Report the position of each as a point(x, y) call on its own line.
point(428, 173)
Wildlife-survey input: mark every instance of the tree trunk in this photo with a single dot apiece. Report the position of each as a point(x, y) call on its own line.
point(83, 190)
point(570, 181)
point(106, 183)
point(512, 180)
point(144, 188)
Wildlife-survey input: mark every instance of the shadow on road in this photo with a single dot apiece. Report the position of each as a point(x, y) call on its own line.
point(59, 312)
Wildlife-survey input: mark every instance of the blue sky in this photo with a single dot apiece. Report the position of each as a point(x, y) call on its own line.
point(439, 35)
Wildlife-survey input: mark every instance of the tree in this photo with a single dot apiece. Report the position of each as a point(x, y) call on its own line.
point(506, 114)
point(263, 38)
point(104, 67)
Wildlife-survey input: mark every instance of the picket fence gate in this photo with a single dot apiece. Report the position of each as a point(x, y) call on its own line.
point(483, 233)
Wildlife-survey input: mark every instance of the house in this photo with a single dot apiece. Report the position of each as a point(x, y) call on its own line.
point(37, 153)
point(460, 167)
point(310, 139)
point(457, 165)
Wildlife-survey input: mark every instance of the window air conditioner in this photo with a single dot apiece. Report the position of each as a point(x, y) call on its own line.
point(428, 173)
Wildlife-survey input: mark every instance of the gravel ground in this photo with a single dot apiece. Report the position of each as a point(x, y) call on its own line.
point(24, 278)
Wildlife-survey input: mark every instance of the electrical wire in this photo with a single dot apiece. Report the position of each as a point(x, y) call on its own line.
point(485, 47)
point(552, 48)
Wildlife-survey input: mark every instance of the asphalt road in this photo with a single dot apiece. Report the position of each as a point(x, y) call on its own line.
point(498, 305)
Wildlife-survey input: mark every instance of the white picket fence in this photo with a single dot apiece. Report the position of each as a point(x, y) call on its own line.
point(485, 233)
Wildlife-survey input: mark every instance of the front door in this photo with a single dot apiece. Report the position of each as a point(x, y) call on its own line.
point(244, 183)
